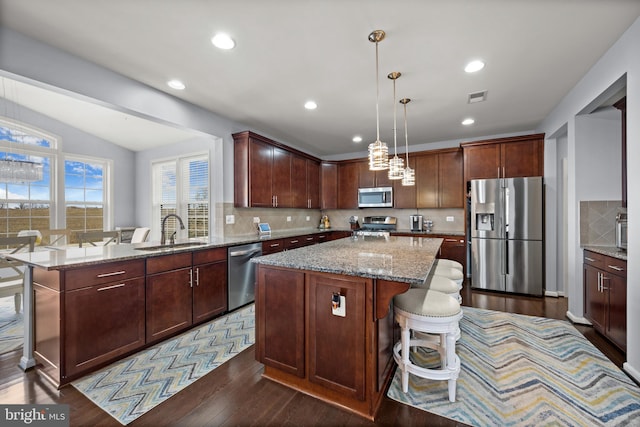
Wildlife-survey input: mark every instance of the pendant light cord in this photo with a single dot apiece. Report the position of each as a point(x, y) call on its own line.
point(406, 133)
point(377, 97)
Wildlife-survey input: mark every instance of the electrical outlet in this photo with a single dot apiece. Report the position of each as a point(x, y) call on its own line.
point(308, 218)
point(230, 219)
point(256, 220)
point(342, 310)
point(449, 219)
point(288, 219)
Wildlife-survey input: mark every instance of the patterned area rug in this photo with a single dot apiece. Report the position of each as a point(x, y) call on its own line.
point(132, 386)
point(11, 328)
point(525, 371)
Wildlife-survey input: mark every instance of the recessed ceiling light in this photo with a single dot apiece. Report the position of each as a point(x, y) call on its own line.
point(468, 121)
point(357, 138)
point(310, 105)
point(176, 84)
point(223, 41)
point(474, 66)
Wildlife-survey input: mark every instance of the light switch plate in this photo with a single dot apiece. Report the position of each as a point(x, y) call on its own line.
point(288, 219)
point(230, 219)
point(449, 219)
point(256, 220)
point(308, 218)
point(342, 310)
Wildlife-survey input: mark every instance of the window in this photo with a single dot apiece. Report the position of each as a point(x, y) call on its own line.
point(85, 195)
point(26, 206)
point(181, 187)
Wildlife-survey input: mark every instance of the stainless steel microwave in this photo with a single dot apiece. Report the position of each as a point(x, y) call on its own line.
point(379, 197)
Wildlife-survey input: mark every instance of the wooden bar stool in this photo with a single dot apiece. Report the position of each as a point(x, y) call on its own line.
point(430, 312)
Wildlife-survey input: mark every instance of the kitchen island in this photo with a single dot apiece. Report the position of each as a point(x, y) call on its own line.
point(324, 316)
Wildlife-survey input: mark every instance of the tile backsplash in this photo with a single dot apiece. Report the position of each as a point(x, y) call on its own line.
point(283, 219)
point(598, 222)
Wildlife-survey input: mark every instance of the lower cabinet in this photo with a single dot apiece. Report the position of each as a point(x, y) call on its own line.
point(454, 248)
point(102, 323)
point(210, 284)
point(605, 296)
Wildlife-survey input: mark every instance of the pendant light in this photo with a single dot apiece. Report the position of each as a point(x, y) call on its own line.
point(409, 175)
point(378, 150)
point(396, 164)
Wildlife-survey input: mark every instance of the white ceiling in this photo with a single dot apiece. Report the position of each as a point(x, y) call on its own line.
point(290, 51)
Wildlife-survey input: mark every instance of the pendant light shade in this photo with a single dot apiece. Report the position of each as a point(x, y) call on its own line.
point(409, 175)
point(378, 150)
point(396, 164)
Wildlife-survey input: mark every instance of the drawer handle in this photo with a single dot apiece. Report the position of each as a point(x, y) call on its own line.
point(309, 238)
point(450, 240)
point(589, 259)
point(293, 241)
point(615, 267)
point(274, 245)
point(111, 287)
point(115, 273)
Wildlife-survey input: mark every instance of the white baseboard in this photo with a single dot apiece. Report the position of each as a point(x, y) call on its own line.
point(580, 320)
point(551, 294)
point(634, 373)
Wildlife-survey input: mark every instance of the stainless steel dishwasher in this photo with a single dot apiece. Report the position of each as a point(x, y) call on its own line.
point(241, 277)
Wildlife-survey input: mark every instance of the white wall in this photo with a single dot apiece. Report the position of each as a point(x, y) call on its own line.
point(621, 59)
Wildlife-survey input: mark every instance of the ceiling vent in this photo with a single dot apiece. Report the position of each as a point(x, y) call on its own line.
point(477, 97)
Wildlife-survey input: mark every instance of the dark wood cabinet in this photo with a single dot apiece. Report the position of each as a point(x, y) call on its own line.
point(605, 296)
point(210, 284)
point(368, 178)
point(272, 246)
point(510, 157)
point(102, 323)
point(283, 292)
point(405, 197)
point(454, 248)
point(329, 186)
point(169, 295)
point(439, 179)
point(348, 185)
point(269, 174)
point(335, 337)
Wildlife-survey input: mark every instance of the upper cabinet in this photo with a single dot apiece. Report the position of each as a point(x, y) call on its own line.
point(329, 185)
point(270, 175)
point(372, 179)
point(439, 179)
point(511, 157)
point(348, 184)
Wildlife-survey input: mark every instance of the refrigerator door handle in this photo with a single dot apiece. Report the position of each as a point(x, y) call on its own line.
point(506, 213)
point(506, 257)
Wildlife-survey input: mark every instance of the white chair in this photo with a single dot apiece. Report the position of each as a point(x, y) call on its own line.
point(429, 312)
point(444, 285)
point(101, 237)
point(448, 272)
point(448, 263)
point(140, 234)
point(11, 272)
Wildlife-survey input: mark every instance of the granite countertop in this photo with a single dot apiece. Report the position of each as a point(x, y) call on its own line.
point(611, 251)
point(63, 257)
point(430, 233)
point(396, 258)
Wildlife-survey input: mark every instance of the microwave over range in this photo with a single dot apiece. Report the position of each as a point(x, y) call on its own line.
point(378, 197)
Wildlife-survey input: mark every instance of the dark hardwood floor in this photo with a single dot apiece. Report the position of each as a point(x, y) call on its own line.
point(235, 394)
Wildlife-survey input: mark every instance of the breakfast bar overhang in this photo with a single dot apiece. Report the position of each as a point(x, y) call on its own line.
point(324, 315)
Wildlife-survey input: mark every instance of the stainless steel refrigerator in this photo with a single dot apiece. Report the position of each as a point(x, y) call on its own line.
point(507, 226)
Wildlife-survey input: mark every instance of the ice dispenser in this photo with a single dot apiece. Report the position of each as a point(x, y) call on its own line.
point(485, 216)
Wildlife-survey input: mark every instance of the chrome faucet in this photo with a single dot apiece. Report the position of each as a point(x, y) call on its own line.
point(163, 236)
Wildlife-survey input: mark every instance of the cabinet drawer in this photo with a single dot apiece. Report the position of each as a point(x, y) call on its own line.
point(168, 262)
point(595, 259)
point(210, 255)
point(615, 266)
point(295, 242)
point(272, 246)
point(103, 273)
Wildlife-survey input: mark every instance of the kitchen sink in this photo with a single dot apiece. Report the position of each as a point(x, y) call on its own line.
point(170, 246)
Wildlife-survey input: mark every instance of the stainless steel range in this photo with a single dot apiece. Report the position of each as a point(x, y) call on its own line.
point(379, 223)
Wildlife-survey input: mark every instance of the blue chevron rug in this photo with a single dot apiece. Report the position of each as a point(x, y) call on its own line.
point(525, 371)
point(130, 387)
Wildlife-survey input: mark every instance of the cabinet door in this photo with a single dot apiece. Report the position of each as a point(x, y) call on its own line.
point(169, 303)
point(102, 323)
point(329, 184)
point(313, 184)
point(481, 161)
point(272, 246)
point(348, 185)
point(404, 197)
point(617, 313)
point(281, 184)
point(427, 181)
point(522, 158)
point(594, 299)
point(450, 179)
point(299, 197)
point(337, 350)
point(282, 291)
point(366, 177)
point(260, 167)
point(454, 248)
point(209, 290)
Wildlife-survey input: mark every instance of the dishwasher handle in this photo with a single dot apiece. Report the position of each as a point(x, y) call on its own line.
point(247, 252)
